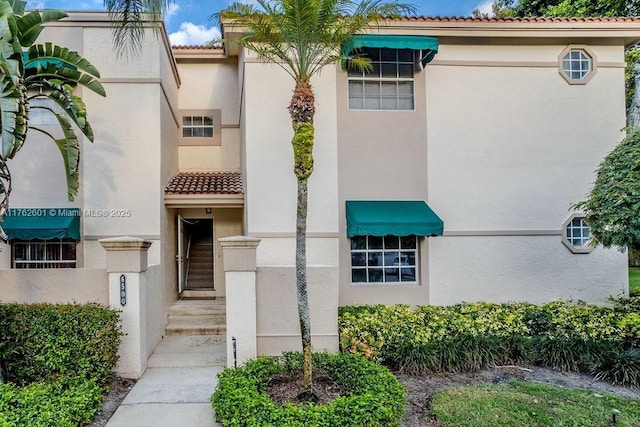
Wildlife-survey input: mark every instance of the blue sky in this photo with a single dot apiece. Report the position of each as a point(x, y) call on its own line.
point(188, 20)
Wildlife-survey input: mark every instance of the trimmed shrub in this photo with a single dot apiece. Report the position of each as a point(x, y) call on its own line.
point(467, 337)
point(619, 367)
point(44, 341)
point(374, 397)
point(66, 402)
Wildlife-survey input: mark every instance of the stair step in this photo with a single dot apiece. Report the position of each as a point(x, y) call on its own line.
point(205, 296)
point(179, 329)
point(206, 318)
point(197, 310)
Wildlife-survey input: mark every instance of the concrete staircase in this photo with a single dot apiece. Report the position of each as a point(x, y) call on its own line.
point(200, 275)
point(197, 317)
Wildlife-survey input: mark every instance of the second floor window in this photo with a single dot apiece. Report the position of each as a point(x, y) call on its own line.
point(197, 126)
point(389, 85)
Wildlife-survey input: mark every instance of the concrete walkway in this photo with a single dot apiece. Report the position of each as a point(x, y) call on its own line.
point(176, 387)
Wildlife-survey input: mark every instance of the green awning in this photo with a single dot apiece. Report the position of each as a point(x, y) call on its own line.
point(396, 218)
point(427, 45)
point(42, 223)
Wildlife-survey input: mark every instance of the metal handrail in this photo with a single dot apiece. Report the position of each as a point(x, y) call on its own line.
point(188, 255)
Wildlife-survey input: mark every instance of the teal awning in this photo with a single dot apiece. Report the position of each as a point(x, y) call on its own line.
point(42, 223)
point(396, 218)
point(428, 45)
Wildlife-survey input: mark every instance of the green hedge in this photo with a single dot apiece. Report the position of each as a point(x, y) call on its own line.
point(66, 402)
point(42, 341)
point(374, 395)
point(465, 337)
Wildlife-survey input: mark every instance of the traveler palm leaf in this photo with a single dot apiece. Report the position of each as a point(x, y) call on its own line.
point(43, 71)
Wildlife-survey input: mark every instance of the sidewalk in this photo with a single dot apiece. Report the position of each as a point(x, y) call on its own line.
point(176, 387)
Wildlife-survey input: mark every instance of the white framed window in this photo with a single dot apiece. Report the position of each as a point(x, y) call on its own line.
point(197, 126)
point(200, 127)
point(390, 83)
point(384, 260)
point(577, 234)
point(37, 254)
point(577, 64)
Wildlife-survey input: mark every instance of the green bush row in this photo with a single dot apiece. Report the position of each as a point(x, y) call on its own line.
point(42, 341)
point(65, 402)
point(374, 397)
point(466, 337)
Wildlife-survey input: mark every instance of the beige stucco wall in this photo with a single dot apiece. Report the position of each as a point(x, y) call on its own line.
point(505, 154)
point(271, 184)
point(536, 269)
point(212, 84)
point(155, 306)
point(69, 285)
point(499, 143)
point(277, 312)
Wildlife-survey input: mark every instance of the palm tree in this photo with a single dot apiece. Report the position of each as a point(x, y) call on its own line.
point(30, 73)
point(302, 37)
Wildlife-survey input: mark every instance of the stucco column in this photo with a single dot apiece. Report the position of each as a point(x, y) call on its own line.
point(239, 255)
point(126, 264)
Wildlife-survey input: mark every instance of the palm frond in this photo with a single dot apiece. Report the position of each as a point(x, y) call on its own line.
point(66, 75)
point(5, 189)
point(303, 36)
point(30, 25)
point(49, 52)
point(62, 95)
point(129, 20)
point(13, 114)
point(69, 148)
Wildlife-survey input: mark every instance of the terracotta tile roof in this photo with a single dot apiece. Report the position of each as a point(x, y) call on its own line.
point(205, 183)
point(198, 47)
point(531, 19)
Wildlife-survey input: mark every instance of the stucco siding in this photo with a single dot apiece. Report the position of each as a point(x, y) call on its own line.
point(499, 142)
point(155, 306)
point(80, 285)
point(271, 184)
point(277, 313)
point(212, 84)
point(536, 269)
point(504, 154)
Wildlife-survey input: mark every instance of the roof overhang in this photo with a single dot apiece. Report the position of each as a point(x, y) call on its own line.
point(619, 30)
point(204, 200)
point(204, 189)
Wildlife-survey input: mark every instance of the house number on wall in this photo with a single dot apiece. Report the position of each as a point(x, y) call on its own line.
point(123, 290)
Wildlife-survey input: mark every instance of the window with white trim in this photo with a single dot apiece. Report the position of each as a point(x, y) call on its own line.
point(577, 64)
point(389, 85)
point(577, 234)
point(197, 127)
point(38, 254)
point(388, 259)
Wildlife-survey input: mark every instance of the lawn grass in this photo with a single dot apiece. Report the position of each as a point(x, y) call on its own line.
point(634, 281)
point(518, 403)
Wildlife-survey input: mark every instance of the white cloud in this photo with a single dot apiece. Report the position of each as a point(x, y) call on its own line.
point(485, 7)
point(192, 34)
point(171, 11)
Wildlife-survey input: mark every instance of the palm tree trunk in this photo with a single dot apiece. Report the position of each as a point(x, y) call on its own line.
point(302, 110)
point(301, 284)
